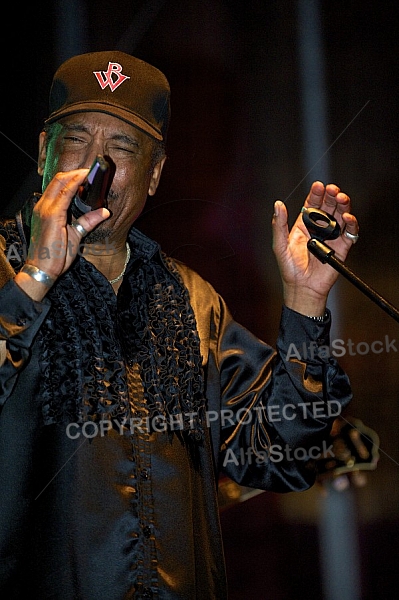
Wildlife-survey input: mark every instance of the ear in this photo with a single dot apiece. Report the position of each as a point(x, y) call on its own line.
point(42, 152)
point(156, 176)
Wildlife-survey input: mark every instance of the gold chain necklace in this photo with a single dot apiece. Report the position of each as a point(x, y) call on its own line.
point(112, 281)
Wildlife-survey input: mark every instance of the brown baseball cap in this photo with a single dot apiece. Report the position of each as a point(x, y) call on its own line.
point(115, 83)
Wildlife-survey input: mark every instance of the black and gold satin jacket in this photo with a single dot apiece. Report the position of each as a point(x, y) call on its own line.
point(118, 413)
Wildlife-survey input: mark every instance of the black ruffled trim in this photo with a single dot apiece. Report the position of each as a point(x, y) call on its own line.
point(159, 332)
point(83, 373)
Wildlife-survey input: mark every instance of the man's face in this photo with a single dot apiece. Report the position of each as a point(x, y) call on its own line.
point(79, 138)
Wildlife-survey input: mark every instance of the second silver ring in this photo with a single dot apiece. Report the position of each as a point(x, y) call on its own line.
point(79, 228)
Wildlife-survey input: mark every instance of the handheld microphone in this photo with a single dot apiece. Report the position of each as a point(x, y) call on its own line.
point(92, 194)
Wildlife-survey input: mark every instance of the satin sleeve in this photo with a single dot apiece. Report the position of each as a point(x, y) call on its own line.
point(20, 320)
point(277, 404)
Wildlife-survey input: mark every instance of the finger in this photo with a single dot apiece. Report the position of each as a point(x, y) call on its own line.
point(316, 195)
point(78, 227)
point(89, 221)
point(328, 198)
point(350, 231)
point(332, 192)
point(61, 190)
point(280, 227)
point(343, 203)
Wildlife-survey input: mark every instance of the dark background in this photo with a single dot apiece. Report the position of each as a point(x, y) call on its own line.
point(237, 142)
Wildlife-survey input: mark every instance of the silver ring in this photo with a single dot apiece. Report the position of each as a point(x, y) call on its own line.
point(351, 236)
point(79, 228)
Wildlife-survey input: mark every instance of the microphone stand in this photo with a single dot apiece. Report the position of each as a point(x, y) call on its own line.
point(326, 255)
point(322, 226)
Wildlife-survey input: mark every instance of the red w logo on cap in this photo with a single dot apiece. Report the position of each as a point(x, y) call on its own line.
point(112, 76)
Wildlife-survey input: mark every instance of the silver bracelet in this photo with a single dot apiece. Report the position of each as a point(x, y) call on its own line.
point(38, 275)
point(319, 319)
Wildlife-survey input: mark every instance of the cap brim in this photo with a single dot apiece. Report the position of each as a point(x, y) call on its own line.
point(110, 109)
